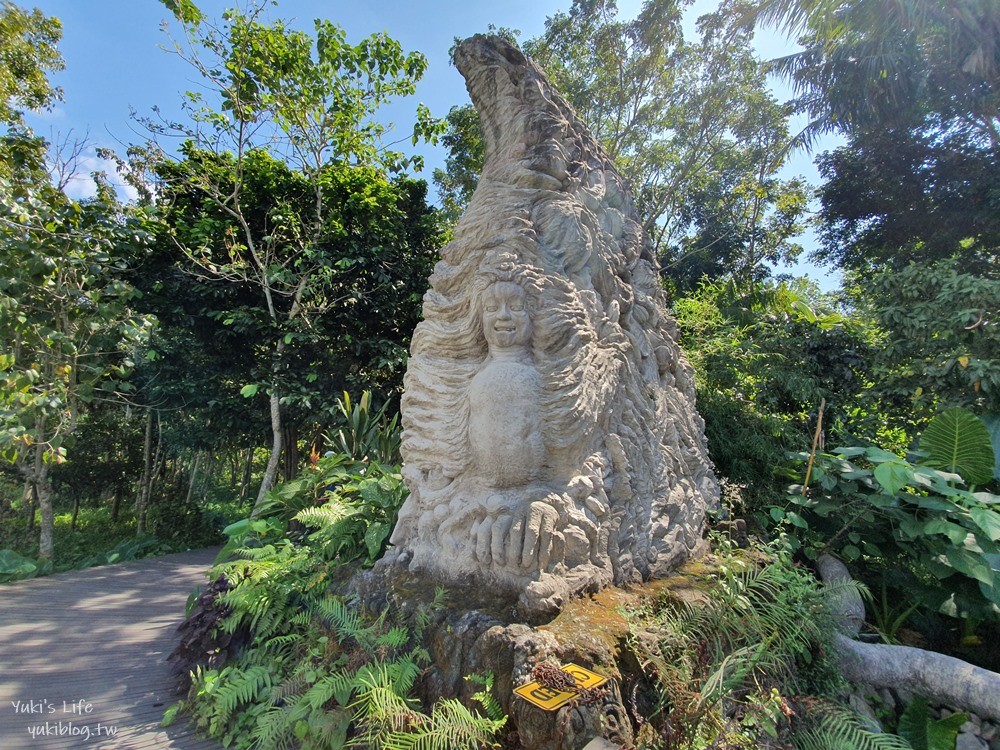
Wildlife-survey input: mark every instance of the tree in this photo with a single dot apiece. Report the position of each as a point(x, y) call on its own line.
point(916, 89)
point(763, 361)
point(283, 100)
point(363, 300)
point(466, 151)
point(910, 204)
point(892, 198)
point(942, 348)
point(741, 218)
point(67, 331)
point(872, 64)
point(28, 54)
point(691, 127)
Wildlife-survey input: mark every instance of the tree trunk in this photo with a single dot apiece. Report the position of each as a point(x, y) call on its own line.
point(43, 492)
point(177, 472)
point(290, 466)
point(31, 510)
point(45, 540)
point(247, 474)
point(234, 467)
point(159, 459)
point(943, 680)
point(28, 501)
point(76, 512)
point(277, 436)
point(214, 464)
point(116, 501)
point(147, 469)
point(194, 478)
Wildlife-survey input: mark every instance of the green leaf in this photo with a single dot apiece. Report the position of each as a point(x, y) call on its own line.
point(13, 565)
point(374, 536)
point(185, 11)
point(239, 527)
point(301, 729)
point(893, 475)
point(955, 533)
point(170, 715)
point(849, 452)
point(971, 564)
point(941, 734)
point(992, 424)
point(988, 520)
point(248, 391)
point(957, 441)
point(851, 552)
point(796, 520)
point(924, 733)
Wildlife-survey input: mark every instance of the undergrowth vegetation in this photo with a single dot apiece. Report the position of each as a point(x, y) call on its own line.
point(313, 671)
point(91, 537)
point(782, 372)
point(746, 666)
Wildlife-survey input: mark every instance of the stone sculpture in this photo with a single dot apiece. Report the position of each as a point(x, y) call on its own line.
point(550, 440)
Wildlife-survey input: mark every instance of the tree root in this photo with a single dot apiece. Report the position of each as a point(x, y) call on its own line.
point(942, 680)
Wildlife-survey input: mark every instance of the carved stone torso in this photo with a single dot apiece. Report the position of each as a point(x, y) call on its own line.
point(505, 423)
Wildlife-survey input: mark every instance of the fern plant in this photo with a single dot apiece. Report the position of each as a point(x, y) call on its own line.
point(723, 670)
point(348, 508)
point(317, 673)
point(331, 679)
point(829, 726)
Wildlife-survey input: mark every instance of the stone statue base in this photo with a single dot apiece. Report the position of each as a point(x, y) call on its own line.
point(479, 632)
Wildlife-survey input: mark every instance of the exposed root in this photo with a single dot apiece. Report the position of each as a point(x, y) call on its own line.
point(942, 680)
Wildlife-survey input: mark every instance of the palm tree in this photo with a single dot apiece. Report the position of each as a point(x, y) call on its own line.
point(930, 65)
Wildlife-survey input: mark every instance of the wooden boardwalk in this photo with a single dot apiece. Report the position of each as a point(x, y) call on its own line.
point(83, 654)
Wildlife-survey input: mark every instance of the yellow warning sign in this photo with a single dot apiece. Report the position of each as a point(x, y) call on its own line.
point(584, 677)
point(545, 697)
point(552, 699)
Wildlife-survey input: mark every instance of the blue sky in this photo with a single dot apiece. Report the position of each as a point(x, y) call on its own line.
point(115, 63)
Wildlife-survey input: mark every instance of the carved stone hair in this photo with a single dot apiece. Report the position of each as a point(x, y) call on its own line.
point(552, 215)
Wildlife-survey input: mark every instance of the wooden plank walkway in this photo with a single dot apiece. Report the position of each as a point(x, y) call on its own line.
point(83, 654)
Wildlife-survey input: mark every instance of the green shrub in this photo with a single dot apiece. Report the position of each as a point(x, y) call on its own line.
point(352, 507)
point(883, 512)
point(314, 672)
point(763, 360)
point(14, 567)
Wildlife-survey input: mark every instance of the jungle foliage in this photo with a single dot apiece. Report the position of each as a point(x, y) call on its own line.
point(165, 362)
point(313, 670)
point(272, 262)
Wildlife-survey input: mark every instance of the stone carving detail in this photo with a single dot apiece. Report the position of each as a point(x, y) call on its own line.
point(550, 439)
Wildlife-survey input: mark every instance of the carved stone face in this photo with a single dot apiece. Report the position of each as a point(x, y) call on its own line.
point(506, 322)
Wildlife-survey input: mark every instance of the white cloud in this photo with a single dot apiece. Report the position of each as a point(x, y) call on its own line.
point(81, 185)
point(46, 116)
